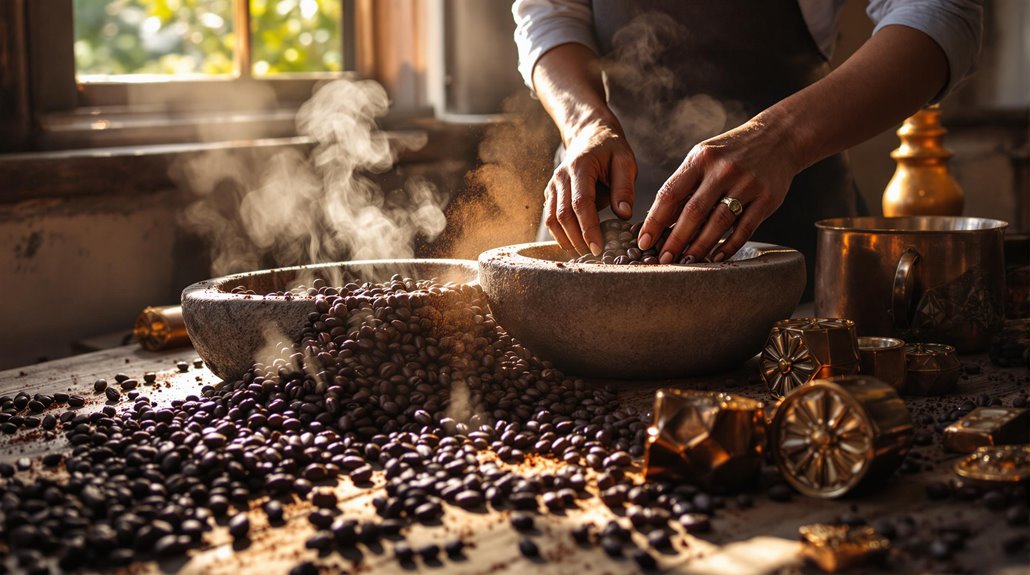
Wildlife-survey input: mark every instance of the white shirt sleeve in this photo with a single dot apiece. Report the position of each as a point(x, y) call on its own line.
point(956, 26)
point(541, 25)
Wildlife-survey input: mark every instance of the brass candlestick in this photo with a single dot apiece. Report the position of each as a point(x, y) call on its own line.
point(922, 184)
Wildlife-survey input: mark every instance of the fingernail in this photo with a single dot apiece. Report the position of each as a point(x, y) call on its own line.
point(595, 249)
point(625, 208)
point(719, 257)
point(665, 258)
point(644, 242)
point(687, 260)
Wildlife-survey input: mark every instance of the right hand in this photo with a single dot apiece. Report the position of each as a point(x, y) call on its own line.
point(596, 154)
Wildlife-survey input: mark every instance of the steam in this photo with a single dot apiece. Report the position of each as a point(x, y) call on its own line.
point(267, 208)
point(665, 128)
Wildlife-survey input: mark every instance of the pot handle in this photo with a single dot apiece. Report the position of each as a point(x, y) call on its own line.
point(901, 295)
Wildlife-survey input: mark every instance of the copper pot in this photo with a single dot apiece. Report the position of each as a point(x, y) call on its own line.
point(923, 279)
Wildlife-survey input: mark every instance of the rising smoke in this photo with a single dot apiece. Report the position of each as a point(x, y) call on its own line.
point(287, 207)
point(664, 127)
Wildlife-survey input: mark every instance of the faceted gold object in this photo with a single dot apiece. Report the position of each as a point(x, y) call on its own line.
point(986, 426)
point(930, 369)
point(800, 350)
point(837, 547)
point(709, 438)
point(996, 465)
point(922, 185)
point(160, 328)
point(835, 435)
point(883, 358)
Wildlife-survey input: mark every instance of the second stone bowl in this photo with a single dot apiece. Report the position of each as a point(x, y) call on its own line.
point(641, 322)
point(231, 330)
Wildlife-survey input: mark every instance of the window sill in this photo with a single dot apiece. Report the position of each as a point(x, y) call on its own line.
point(125, 165)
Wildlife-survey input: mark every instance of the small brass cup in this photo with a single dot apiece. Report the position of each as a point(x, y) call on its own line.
point(883, 358)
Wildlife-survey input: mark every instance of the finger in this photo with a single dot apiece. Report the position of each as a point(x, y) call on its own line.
point(694, 213)
point(567, 216)
point(752, 217)
point(720, 220)
point(551, 219)
point(671, 196)
point(584, 193)
point(623, 175)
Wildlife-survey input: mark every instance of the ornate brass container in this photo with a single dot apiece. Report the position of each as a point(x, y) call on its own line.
point(709, 438)
point(160, 328)
point(837, 547)
point(995, 465)
point(987, 426)
point(922, 185)
point(936, 279)
point(834, 435)
point(800, 350)
point(883, 358)
point(930, 369)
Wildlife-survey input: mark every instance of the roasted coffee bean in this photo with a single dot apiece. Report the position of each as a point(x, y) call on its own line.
point(644, 560)
point(182, 366)
point(113, 394)
point(695, 523)
point(612, 546)
point(99, 385)
point(324, 498)
point(454, 548)
point(528, 548)
point(659, 539)
point(239, 526)
point(320, 541)
point(304, 568)
point(76, 401)
point(403, 552)
point(321, 518)
point(522, 521)
point(469, 499)
point(149, 377)
point(1017, 515)
point(128, 384)
point(429, 552)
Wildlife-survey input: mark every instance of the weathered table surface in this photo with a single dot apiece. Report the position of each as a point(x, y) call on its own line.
point(757, 540)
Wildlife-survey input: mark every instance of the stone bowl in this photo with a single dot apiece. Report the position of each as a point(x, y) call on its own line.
point(229, 331)
point(641, 322)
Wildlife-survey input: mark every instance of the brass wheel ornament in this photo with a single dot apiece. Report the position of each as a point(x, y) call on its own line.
point(802, 349)
point(831, 435)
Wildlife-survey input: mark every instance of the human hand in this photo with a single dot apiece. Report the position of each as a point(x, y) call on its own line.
point(598, 170)
point(753, 163)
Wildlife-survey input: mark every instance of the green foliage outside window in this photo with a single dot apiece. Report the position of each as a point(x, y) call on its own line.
point(198, 36)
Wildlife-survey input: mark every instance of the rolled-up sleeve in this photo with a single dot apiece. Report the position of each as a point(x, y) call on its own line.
point(541, 25)
point(956, 26)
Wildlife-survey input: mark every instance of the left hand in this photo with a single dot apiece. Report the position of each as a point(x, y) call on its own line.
point(753, 163)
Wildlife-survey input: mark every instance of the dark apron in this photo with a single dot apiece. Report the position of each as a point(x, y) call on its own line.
point(681, 71)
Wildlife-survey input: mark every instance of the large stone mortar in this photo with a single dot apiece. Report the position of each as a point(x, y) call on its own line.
point(641, 322)
point(230, 330)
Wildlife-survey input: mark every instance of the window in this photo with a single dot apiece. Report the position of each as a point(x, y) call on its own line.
point(141, 39)
point(130, 72)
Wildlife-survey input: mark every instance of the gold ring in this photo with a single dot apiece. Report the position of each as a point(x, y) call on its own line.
point(733, 204)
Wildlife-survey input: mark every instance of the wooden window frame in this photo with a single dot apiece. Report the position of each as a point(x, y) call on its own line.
point(63, 113)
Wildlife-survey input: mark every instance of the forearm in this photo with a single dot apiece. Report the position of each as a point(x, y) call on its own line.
point(894, 73)
point(568, 82)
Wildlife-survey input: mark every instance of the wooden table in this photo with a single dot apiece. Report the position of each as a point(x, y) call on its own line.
point(757, 540)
